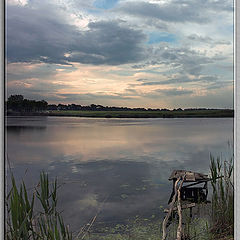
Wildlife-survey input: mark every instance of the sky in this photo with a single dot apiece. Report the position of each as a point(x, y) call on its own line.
point(134, 53)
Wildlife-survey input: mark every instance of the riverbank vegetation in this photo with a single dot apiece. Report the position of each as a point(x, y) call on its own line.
point(17, 105)
point(222, 198)
point(24, 221)
point(218, 113)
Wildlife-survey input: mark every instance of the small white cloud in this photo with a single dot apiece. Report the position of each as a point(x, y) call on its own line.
point(67, 55)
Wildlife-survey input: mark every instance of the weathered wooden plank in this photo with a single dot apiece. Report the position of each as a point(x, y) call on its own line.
point(190, 205)
point(164, 224)
point(189, 176)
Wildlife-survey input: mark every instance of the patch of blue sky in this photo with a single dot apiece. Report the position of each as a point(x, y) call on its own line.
point(227, 30)
point(105, 4)
point(157, 37)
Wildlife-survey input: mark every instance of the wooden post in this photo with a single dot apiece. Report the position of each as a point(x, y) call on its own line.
point(191, 212)
point(164, 224)
point(206, 187)
point(173, 189)
point(179, 229)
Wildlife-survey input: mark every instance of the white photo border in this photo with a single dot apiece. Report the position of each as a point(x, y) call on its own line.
point(2, 125)
point(236, 118)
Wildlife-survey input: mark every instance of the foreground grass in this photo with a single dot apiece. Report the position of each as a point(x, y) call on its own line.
point(146, 114)
point(25, 222)
point(223, 198)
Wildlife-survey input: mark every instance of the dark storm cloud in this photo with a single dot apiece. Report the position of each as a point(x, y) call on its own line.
point(110, 43)
point(176, 11)
point(33, 36)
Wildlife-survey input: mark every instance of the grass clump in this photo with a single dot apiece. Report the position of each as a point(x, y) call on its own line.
point(222, 198)
point(25, 222)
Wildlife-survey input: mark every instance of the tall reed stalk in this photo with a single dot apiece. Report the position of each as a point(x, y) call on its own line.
point(223, 196)
point(25, 222)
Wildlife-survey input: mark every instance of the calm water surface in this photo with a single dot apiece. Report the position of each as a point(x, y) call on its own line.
point(124, 163)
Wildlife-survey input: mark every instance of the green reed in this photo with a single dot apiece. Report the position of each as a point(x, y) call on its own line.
point(25, 222)
point(223, 196)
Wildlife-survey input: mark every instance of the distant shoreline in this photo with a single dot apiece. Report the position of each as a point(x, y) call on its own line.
point(218, 113)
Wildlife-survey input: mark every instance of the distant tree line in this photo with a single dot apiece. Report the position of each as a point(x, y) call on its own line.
point(94, 107)
point(18, 103)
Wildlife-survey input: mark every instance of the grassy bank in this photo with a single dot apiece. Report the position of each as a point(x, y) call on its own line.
point(146, 114)
point(207, 113)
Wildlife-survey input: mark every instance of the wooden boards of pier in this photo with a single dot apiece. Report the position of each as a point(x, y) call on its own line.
point(189, 176)
point(185, 206)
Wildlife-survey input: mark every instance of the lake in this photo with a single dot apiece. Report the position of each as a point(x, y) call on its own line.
point(120, 166)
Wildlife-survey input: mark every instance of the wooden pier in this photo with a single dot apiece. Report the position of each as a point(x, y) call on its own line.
point(186, 189)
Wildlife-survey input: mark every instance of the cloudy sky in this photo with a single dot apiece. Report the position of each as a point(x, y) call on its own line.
point(135, 53)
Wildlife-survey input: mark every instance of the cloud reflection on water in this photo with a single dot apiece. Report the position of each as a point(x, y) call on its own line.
point(127, 161)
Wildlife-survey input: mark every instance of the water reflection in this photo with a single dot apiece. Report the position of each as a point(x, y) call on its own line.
point(124, 163)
